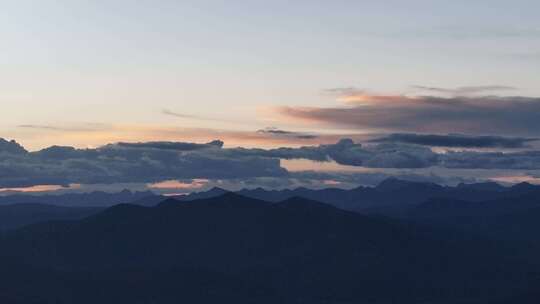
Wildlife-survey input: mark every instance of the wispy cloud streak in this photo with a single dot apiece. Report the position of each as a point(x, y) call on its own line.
point(467, 90)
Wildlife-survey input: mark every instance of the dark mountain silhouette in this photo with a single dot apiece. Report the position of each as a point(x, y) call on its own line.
point(389, 197)
point(148, 201)
point(214, 192)
point(514, 220)
point(91, 199)
point(235, 249)
point(527, 298)
point(19, 215)
point(446, 208)
point(523, 188)
point(393, 184)
point(485, 186)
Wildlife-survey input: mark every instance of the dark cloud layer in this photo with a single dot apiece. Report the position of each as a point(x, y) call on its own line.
point(346, 152)
point(456, 140)
point(399, 156)
point(159, 161)
point(130, 164)
point(527, 160)
point(517, 116)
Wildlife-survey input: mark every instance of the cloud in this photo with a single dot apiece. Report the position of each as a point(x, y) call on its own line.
point(352, 93)
point(163, 133)
point(179, 115)
point(386, 155)
point(41, 127)
point(399, 156)
point(137, 163)
point(346, 152)
point(11, 147)
point(178, 146)
point(155, 162)
point(467, 90)
point(517, 116)
point(179, 185)
point(344, 91)
point(527, 160)
point(33, 189)
point(194, 117)
point(88, 127)
point(456, 140)
point(272, 131)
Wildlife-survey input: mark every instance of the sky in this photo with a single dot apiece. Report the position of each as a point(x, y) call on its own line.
point(270, 74)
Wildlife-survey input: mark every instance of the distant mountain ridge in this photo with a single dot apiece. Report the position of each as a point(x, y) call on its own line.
point(87, 199)
point(486, 209)
point(388, 194)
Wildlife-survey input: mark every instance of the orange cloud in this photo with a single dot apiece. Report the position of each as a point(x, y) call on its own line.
point(179, 185)
point(372, 99)
point(39, 188)
point(514, 179)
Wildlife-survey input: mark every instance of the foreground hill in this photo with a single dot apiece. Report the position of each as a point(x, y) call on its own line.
point(235, 249)
point(19, 215)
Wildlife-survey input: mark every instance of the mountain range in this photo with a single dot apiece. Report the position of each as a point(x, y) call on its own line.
point(236, 249)
point(390, 193)
point(392, 197)
point(85, 199)
point(399, 242)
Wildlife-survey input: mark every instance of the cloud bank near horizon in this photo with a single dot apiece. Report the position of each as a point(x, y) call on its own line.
point(153, 162)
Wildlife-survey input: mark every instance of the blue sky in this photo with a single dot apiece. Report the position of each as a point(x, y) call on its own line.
point(89, 73)
point(122, 62)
